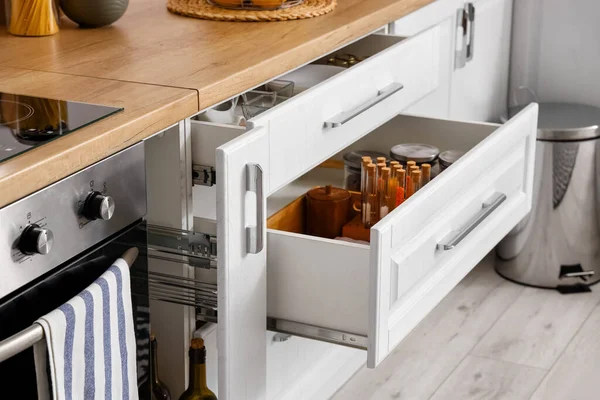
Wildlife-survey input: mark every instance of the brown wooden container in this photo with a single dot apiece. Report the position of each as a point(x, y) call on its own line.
point(327, 211)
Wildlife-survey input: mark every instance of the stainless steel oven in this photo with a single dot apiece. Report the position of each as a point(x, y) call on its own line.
point(57, 241)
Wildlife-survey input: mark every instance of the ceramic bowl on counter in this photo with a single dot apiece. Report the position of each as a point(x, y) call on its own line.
point(94, 13)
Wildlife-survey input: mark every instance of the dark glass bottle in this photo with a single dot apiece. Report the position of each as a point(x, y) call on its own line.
point(198, 389)
point(159, 389)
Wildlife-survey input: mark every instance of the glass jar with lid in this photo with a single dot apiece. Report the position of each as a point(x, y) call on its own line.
point(255, 4)
point(449, 157)
point(352, 161)
point(420, 153)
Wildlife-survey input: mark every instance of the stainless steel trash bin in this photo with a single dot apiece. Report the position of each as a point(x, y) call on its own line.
point(558, 244)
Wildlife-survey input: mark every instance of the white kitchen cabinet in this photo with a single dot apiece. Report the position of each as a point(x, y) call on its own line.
point(370, 297)
point(367, 297)
point(480, 88)
point(282, 144)
point(297, 368)
point(476, 88)
point(441, 14)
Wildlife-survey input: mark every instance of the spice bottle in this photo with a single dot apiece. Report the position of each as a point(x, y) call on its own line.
point(371, 213)
point(363, 184)
point(401, 191)
point(393, 188)
point(416, 180)
point(384, 195)
point(426, 168)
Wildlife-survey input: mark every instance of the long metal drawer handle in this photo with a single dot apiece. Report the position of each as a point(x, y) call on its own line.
point(340, 119)
point(486, 209)
point(254, 234)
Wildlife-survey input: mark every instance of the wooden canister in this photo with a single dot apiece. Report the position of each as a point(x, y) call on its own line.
point(327, 211)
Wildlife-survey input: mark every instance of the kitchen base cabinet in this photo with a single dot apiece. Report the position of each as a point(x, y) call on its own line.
point(474, 86)
point(370, 297)
point(277, 147)
point(437, 103)
point(169, 204)
point(297, 368)
point(480, 88)
point(366, 297)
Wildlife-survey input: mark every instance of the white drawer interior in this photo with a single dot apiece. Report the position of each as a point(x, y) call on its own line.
point(324, 282)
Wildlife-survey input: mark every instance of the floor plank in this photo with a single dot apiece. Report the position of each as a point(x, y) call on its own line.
point(439, 343)
point(479, 378)
point(576, 374)
point(536, 329)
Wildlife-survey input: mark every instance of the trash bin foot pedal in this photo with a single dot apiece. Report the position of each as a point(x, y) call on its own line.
point(576, 288)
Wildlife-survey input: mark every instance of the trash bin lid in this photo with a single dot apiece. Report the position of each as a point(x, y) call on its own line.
point(565, 121)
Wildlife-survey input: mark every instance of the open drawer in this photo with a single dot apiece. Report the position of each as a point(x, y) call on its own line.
point(372, 296)
point(363, 296)
point(283, 144)
point(332, 106)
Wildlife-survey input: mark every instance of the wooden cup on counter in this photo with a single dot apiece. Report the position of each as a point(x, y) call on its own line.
point(327, 211)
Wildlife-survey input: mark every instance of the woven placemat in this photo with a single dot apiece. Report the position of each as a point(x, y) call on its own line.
point(202, 9)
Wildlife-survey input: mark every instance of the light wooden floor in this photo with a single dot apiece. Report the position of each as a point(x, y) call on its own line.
point(493, 339)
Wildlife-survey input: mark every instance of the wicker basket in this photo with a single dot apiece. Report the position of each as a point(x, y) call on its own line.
point(255, 4)
point(204, 9)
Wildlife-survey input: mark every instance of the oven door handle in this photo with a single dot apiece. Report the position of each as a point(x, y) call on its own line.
point(23, 340)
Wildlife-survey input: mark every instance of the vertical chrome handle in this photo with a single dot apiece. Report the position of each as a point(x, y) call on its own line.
point(465, 20)
point(340, 119)
point(486, 209)
point(471, 16)
point(255, 233)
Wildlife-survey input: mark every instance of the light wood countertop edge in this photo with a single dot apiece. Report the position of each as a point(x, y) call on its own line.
point(47, 164)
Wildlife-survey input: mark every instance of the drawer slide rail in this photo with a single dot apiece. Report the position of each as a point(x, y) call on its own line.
point(176, 245)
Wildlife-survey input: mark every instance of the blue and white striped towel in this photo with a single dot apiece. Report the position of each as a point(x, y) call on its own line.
point(91, 342)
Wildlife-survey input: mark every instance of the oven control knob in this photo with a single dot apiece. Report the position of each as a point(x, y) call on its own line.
point(36, 240)
point(98, 206)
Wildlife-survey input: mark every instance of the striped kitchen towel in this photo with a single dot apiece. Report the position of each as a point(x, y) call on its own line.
point(91, 342)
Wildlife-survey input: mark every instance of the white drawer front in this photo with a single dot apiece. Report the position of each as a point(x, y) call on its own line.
point(330, 284)
point(299, 136)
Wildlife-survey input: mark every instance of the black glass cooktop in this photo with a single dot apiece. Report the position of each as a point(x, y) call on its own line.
point(27, 122)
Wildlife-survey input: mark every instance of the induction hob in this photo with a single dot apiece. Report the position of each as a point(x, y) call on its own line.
point(27, 122)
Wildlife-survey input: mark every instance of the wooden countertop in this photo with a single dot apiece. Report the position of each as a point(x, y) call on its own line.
point(218, 59)
point(148, 109)
point(147, 62)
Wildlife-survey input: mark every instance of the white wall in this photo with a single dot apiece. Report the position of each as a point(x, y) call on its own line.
point(556, 49)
